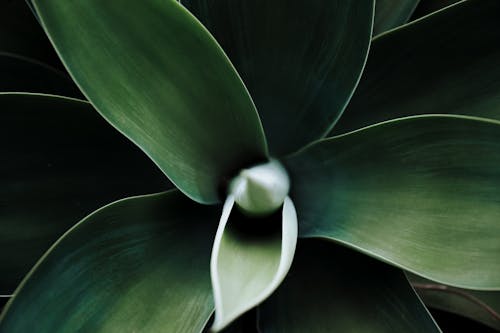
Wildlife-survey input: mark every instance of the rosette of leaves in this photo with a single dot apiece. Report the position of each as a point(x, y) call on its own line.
point(308, 178)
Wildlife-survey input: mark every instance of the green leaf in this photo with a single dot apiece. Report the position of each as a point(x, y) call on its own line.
point(139, 264)
point(421, 193)
point(158, 76)
point(28, 75)
point(456, 71)
point(392, 13)
point(300, 60)
point(61, 162)
point(250, 258)
point(349, 293)
point(482, 306)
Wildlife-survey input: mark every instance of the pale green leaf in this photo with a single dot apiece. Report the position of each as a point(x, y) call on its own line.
point(250, 258)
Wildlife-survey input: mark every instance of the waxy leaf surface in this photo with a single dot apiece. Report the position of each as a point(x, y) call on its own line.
point(61, 162)
point(250, 258)
point(421, 193)
point(350, 292)
point(444, 63)
point(300, 60)
point(152, 70)
point(138, 265)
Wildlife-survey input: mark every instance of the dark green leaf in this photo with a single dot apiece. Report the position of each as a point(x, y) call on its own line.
point(392, 13)
point(28, 75)
point(421, 193)
point(482, 306)
point(349, 293)
point(138, 265)
point(300, 60)
point(60, 162)
point(247, 263)
point(158, 76)
point(445, 63)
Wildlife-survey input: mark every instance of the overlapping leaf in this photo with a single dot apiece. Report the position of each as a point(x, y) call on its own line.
point(250, 258)
point(420, 192)
point(139, 264)
point(444, 63)
point(298, 71)
point(159, 77)
point(61, 162)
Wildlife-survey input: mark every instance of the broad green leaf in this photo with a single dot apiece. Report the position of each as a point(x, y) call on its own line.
point(300, 60)
point(137, 265)
point(482, 306)
point(250, 258)
point(28, 75)
point(159, 77)
point(392, 13)
point(349, 292)
point(444, 63)
point(60, 161)
point(421, 193)
point(21, 34)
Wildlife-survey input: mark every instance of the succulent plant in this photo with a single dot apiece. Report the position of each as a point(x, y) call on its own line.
point(315, 167)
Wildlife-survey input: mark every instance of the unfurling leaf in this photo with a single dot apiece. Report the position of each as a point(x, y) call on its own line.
point(247, 266)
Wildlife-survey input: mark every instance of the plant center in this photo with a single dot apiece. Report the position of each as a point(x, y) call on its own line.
point(261, 189)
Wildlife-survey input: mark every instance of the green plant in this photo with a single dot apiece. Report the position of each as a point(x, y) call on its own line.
point(419, 192)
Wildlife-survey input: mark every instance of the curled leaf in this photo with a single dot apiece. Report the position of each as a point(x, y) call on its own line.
point(248, 265)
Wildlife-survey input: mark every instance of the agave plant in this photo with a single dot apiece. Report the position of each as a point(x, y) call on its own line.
point(308, 178)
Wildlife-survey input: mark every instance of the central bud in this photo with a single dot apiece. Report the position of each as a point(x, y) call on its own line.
point(261, 189)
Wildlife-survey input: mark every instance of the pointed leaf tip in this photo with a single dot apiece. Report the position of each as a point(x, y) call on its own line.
point(248, 266)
